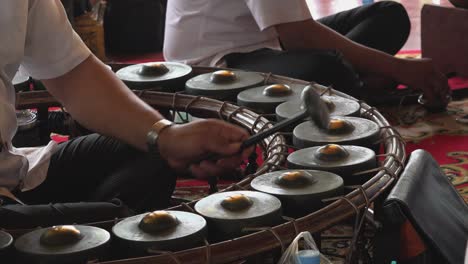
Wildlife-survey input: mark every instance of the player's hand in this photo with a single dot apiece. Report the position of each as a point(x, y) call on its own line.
point(185, 146)
point(422, 74)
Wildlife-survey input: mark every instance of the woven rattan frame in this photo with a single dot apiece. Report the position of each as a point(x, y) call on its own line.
point(275, 152)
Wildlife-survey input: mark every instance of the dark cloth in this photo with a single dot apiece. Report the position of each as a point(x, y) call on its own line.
point(135, 26)
point(323, 67)
point(96, 168)
point(75, 8)
point(383, 25)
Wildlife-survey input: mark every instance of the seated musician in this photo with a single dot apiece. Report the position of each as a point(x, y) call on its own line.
point(97, 167)
point(352, 50)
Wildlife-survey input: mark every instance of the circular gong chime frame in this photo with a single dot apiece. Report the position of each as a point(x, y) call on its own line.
point(275, 151)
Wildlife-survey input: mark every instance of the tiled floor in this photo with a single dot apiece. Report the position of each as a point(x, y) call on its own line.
point(320, 8)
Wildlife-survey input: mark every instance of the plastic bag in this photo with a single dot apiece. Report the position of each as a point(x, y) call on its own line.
point(309, 251)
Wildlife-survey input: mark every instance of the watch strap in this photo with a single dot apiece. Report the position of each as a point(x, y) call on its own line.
point(153, 134)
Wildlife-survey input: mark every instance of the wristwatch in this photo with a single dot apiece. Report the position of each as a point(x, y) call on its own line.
point(153, 134)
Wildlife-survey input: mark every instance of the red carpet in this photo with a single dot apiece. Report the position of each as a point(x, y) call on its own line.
point(457, 83)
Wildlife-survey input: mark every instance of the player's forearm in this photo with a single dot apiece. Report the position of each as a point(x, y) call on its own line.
point(101, 102)
point(312, 35)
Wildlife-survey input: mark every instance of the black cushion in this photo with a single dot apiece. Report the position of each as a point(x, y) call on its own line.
point(425, 196)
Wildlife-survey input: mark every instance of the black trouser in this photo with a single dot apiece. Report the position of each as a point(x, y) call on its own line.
point(98, 168)
point(383, 25)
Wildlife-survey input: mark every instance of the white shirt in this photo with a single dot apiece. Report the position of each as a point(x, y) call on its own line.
point(201, 32)
point(35, 34)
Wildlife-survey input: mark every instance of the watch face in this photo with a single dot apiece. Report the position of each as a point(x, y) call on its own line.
point(152, 144)
point(152, 137)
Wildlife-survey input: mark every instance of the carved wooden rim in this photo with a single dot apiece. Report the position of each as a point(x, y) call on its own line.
point(275, 152)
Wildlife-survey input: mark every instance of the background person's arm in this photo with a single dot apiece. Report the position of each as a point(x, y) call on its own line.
point(417, 74)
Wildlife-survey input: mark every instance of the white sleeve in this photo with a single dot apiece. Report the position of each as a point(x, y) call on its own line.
point(52, 47)
point(268, 13)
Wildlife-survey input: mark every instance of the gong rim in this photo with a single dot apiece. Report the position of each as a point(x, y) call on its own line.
point(130, 73)
point(255, 99)
point(201, 84)
point(191, 226)
point(306, 158)
point(210, 206)
point(6, 240)
point(93, 240)
point(365, 133)
point(343, 107)
point(266, 183)
point(26, 119)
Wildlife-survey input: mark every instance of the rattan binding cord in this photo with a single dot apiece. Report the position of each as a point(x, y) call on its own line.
point(275, 152)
